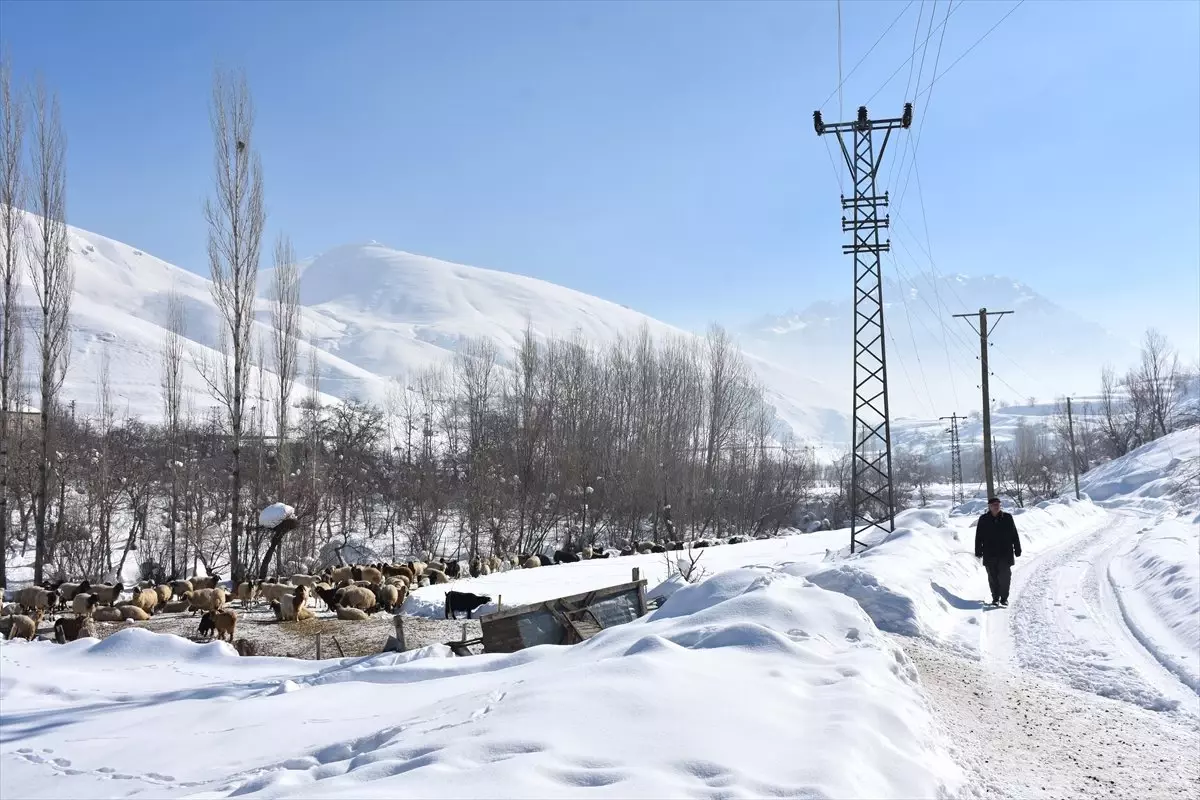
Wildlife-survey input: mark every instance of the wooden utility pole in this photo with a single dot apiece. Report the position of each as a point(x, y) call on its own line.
point(1074, 458)
point(984, 332)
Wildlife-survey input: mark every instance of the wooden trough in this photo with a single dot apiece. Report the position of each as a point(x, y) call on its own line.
point(563, 620)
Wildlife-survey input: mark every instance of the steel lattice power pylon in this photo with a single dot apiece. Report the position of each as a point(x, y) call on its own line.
point(957, 494)
point(872, 494)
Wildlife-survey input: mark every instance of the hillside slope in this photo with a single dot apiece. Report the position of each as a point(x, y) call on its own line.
point(374, 314)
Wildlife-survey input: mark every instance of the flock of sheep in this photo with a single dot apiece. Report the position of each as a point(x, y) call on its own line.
point(351, 592)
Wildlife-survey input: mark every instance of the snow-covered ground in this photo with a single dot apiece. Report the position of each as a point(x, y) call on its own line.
point(791, 670)
point(751, 684)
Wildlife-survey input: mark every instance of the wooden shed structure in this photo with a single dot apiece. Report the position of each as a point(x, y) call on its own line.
point(563, 620)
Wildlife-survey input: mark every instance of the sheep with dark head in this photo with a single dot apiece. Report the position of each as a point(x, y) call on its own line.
point(84, 604)
point(464, 601)
point(107, 593)
point(68, 629)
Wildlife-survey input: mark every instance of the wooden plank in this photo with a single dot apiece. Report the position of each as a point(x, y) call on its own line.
point(600, 594)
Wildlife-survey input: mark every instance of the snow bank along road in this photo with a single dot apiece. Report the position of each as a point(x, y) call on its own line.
point(1069, 624)
point(1066, 701)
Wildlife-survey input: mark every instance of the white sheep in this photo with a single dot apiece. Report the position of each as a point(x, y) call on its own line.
point(84, 604)
point(353, 614)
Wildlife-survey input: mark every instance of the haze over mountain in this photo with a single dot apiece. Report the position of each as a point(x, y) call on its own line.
point(1041, 351)
point(376, 313)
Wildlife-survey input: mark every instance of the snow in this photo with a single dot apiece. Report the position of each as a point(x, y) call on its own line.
point(753, 683)
point(523, 586)
point(1161, 469)
point(375, 313)
point(1157, 580)
point(274, 514)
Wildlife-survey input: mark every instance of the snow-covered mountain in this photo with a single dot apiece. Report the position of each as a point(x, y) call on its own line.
point(374, 313)
point(1041, 351)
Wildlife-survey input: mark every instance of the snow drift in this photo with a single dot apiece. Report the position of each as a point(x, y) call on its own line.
point(754, 683)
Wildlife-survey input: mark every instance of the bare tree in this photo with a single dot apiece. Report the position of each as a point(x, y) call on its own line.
point(12, 229)
point(285, 325)
point(53, 283)
point(1158, 377)
point(235, 225)
point(172, 385)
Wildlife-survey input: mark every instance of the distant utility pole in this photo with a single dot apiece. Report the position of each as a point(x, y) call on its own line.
point(1074, 458)
point(872, 494)
point(956, 479)
point(984, 332)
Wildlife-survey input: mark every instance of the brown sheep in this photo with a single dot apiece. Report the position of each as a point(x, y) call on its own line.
point(24, 627)
point(107, 614)
point(356, 597)
point(370, 575)
point(440, 566)
point(179, 588)
point(352, 614)
point(146, 600)
point(417, 567)
point(339, 574)
point(175, 606)
point(225, 621)
point(205, 599)
point(531, 562)
point(437, 576)
point(293, 613)
point(245, 647)
point(84, 604)
point(68, 629)
point(135, 613)
point(290, 605)
point(164, 594)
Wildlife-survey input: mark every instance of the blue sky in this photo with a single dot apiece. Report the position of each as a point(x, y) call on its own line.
point(660, 155)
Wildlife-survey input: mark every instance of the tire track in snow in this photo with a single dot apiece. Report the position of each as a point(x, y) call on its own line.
point(1065, 623)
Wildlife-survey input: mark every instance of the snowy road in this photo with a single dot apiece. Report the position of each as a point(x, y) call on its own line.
point(1065, 701)
point(1065, 623)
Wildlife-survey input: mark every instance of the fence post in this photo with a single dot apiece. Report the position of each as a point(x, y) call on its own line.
point(318, 646)
point(464, 636)
point(399, 622)
point(637, 574)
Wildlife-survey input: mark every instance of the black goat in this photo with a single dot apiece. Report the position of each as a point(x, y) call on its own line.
point(564, 557)
point(464, 601)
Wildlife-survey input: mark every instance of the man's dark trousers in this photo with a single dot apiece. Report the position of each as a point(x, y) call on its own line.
point(999, 575)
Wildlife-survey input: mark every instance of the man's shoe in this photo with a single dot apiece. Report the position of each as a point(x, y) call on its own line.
point(1004, 603)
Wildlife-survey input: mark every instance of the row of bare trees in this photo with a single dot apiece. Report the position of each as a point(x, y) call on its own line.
point(33, 177)
point(564, 446)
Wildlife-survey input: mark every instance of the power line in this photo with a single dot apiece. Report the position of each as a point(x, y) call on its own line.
point(854, 69)
point(839, 43)
point(972, 47)
point(911, 57)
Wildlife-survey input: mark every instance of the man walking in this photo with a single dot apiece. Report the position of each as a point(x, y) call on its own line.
point(996, 542)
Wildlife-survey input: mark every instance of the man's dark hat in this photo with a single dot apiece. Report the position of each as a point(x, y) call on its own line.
point(993, 500)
